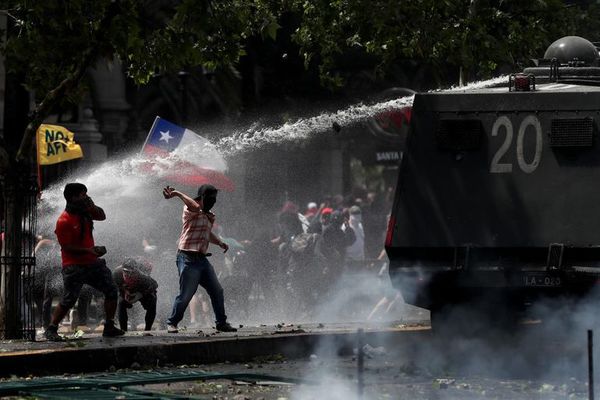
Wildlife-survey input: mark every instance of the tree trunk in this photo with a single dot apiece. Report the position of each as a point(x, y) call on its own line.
point(19, 195)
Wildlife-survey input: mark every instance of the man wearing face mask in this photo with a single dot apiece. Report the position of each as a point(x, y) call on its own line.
point(330, 251)
point(356, 251)
point(192, 262)
point(81, 260)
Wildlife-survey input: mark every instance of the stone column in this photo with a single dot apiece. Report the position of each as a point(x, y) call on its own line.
point(88, 136)
point(111, 106)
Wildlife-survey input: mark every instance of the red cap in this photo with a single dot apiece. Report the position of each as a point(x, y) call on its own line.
point(327, 210)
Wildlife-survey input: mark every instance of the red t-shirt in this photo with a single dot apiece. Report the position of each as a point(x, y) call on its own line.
point(68, 232)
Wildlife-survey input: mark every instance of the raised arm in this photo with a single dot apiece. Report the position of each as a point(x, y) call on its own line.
point(95, 212)
point(191, 204)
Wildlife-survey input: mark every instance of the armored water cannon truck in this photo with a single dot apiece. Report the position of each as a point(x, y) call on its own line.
point(498, 194)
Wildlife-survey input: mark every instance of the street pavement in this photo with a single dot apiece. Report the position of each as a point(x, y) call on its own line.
point(90, 351)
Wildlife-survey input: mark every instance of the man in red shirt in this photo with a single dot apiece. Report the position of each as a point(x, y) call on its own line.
point(80, 259)
point(192, 262)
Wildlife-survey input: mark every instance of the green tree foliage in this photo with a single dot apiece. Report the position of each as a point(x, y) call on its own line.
point(475, 36)
point(51, 43)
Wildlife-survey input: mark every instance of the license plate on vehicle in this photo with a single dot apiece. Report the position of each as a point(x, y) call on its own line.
point(542, 280)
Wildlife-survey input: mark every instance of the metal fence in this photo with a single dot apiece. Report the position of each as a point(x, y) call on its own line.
point(17, 260)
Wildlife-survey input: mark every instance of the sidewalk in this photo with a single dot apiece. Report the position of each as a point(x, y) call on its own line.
point(92, 352)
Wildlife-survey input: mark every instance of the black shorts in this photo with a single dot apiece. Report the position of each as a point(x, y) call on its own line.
point(97, 275)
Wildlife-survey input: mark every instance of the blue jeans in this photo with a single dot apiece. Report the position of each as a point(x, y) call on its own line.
point(195, 269)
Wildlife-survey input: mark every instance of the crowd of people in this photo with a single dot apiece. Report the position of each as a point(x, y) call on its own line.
point(291, 263)
point(319, 245)
point(82, 264)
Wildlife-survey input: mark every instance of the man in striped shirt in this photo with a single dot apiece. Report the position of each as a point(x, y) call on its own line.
point(192, 262)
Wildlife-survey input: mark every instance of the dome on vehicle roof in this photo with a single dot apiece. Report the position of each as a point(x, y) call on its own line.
point(570, 47)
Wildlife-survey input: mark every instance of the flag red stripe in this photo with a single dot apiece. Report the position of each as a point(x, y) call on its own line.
point(187, 173)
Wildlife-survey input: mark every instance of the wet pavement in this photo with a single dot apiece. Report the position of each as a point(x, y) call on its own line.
point(385, 376)
point(92, 339)
point(403, 360)
point(92, 352)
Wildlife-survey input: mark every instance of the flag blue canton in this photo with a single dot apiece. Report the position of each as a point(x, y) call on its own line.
point(165, 135)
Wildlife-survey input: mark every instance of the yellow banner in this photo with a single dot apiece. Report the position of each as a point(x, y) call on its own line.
point(55, 144)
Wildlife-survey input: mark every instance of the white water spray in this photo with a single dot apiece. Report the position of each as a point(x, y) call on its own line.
point(129, 189)
point(123, 176)
point(305, 128)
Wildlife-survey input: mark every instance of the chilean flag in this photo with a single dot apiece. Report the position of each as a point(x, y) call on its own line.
point(191, 159)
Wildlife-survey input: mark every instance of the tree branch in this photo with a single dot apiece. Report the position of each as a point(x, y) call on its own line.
point(42, 110)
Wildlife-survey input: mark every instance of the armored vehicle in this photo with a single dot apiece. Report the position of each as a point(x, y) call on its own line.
point(499, 188)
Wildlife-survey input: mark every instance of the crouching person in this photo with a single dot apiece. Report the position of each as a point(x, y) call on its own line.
point(81, 262)
point(135, 284)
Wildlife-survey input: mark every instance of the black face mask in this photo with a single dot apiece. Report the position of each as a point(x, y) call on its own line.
point(208, 203)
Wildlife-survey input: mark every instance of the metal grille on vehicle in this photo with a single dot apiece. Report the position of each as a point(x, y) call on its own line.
point(458, 134)
point(572, 132)
point(555, 255)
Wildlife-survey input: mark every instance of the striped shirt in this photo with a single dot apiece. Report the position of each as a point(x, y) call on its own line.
point(195, 233)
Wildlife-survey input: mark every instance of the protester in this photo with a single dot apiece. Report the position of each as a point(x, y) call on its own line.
point(135, 284)
point(48, 282)
point(192, 256)
point(81, 259)
point(355, 253)
point(305, 275)
point(311, 211)
point(290, 208)
point(392, 299)
point(261, 262)
point(330, 247)
point(320, 220)
point(290, 224)
point(374, 223)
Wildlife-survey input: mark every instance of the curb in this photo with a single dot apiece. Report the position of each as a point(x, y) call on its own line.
point(236, 349)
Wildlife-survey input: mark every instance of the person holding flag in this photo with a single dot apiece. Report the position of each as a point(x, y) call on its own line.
point(193, 160)
point(192, 256)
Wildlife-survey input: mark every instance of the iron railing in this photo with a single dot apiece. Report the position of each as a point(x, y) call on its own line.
point(17, 260)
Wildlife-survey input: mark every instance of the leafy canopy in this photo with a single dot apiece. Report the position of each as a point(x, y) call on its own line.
point(47, 38)
point(476, 35)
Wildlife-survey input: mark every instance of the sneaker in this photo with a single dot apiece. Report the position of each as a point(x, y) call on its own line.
point(52, 335)
point(172, 329)
point(110, 330)
point(225, 327)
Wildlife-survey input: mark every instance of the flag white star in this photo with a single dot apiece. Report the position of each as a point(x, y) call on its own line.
point(165, 136)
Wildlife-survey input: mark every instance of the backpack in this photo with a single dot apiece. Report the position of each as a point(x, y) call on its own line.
point(304, 243)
